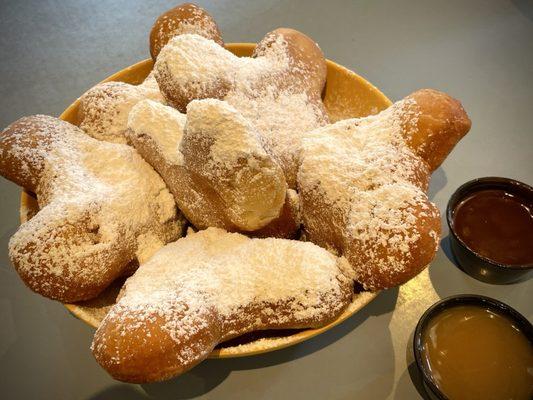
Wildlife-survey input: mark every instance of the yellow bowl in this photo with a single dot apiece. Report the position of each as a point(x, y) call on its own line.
point(347, 95)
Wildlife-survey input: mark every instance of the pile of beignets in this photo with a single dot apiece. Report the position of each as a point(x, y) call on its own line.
point(287, 210)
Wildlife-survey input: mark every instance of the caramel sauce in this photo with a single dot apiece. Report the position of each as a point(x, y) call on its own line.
point(477, 353)
point(497, 225)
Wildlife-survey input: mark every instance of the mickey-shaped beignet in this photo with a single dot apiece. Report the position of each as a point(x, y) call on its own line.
point(214, 163)
point(101, 207)
point(278, 89)
point(185, 18)
point(209, 287)
point(362, 184)
point(306, 69)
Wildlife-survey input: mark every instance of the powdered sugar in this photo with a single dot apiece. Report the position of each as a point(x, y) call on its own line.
point(231, 137)
point(218, 157)
point(265, 344)
point(104, 109)
point(362, 169)
point(95, 199)
point(282, 118)
point(212, 277)
point(150, 83)
point(223, 148)
point(361, 154)
point(163, 124)
point(260, 88)
point(184, 19)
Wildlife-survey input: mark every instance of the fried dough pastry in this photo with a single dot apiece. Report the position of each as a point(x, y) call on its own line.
point(104, 109)
point(278, 89)
point(185, 18)
point(101, 207)
point(362, 184)
point(214, 163)
point(209, 287)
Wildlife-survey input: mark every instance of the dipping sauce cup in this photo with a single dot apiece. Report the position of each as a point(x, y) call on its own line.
point(491, 229)
point(474, 347)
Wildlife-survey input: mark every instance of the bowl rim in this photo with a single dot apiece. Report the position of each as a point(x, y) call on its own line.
point(358, 302)
point(453, 301)
point(457, 197)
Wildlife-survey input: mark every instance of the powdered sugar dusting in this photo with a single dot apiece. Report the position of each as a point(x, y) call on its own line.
point(260, 88)
point(104, 109)
point(264, 344)
point(90, 209)
point(282, 118)
point(233, 138)
point(222, 147)
point(150, 83)
point(363, 169)
point(184, 19)
point(163, 124)
point(291, 284)
point(218, 149)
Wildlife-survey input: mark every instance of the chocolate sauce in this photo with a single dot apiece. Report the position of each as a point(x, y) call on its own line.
point(497, 225)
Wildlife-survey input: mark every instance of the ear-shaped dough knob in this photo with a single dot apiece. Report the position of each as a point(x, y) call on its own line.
point(104, 109)
point(185, 18)
point(441, 123)
point(307, 63)
point(64, 258)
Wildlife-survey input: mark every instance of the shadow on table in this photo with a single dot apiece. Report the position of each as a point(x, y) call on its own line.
point(525, 7)
point(446, 275)
point(411, 377)
point(119, 392)
point(448, 278)
point(437, 182)
point(446, 248)
point(210, 373)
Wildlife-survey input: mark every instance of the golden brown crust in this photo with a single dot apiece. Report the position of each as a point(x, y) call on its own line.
point(164, 323)
point(278, 90)
point(148, 352)
point(24, 167)
point(441, 124)
point(373, 275)
point(185, 18)
point(198, 184)
point(81, 239)
point(362, 183)
point(104, 109)
point(69, 237)
point(307, 60)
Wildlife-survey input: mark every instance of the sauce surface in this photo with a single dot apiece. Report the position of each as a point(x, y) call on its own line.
point(497, 225)
point(477, 353)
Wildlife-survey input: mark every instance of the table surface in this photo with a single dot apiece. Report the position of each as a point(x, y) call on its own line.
point(479, 51)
